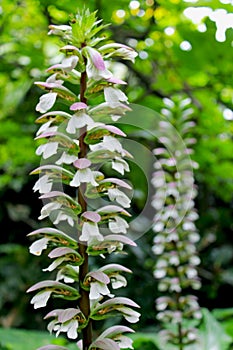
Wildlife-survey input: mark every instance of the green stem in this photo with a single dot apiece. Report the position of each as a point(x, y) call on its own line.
point(180, 336)
point(181, 345)
point(84, 302)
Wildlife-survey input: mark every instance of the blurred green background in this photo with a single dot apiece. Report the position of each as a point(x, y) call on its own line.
point(180, 52)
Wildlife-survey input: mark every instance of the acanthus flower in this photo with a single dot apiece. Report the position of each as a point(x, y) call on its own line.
point(67, 64)
point(114, 97)
point(43, 185)
point(79, 119)
point(115, 49)
point(90, 229)
point(84, 173)
point(96, 282)
point(66, 321)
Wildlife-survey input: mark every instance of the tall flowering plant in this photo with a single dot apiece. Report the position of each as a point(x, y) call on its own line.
point(174, 224)
point(87, 208)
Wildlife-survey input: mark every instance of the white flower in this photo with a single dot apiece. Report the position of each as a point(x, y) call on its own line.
point(43, 185)
point(40, 299)
point(112, 144)
point(194, 260)
point(55, 264)
point(46, 102)
point(84, 173)
point(174, 260)
point(119, 225)
point(175, 285)
point(63, 216)
point(66, 159)
point(47, 150)
point(191, 272)
point(78, 121)
point(118, 281)
point(67, 65)
point(39, 245)
point(114, 96)
point(48, 208)
point(97, 289)
point(124, 342)
point(160, 273)
point(158, 226)
point(109, 143)
point(158, 249)
point(70, 328)
point(83, 176)
point(63, 273)
point(90, 232)
point(129, 314)
point(119, 196)
point(121, 50)
point(46, 128)
point(120, 165)
point(59, 29)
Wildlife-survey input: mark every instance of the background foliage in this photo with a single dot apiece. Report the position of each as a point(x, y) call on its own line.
point(176, 56)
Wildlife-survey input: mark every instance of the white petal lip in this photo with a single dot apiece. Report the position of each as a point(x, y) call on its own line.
point(39, 245)
point(62, 216)
point(129, 314)
point(78, 121)
point(43, 185)
point(67, 64)
point(48, 149)
point(114, 96)
point(124, 342)
point(89, 231)
point(72, 331)
point(83, 176)
point(119, 196)
point(119, 225)
point(65, 159)
point(40, 299)
point(46, 102)
point(55, 264)
point(48, 208)
point(97, 289)
point(112, 144)
point(120, 165)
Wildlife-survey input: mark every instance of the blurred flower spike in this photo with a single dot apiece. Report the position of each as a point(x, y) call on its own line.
point(176, 234)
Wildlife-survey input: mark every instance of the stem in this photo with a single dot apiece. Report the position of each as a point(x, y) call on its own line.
point(181, 345)
point(84, 302)
point(180, 336)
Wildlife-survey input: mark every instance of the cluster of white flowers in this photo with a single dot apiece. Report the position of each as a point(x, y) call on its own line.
point(174, 221)
point(74, 144)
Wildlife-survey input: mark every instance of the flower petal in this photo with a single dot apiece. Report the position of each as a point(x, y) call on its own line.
point(40, 299)
point(39, 245)
point(114, 96)
point(46, 102)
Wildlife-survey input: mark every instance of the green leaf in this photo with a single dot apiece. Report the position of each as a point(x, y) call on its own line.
point(213, 336)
